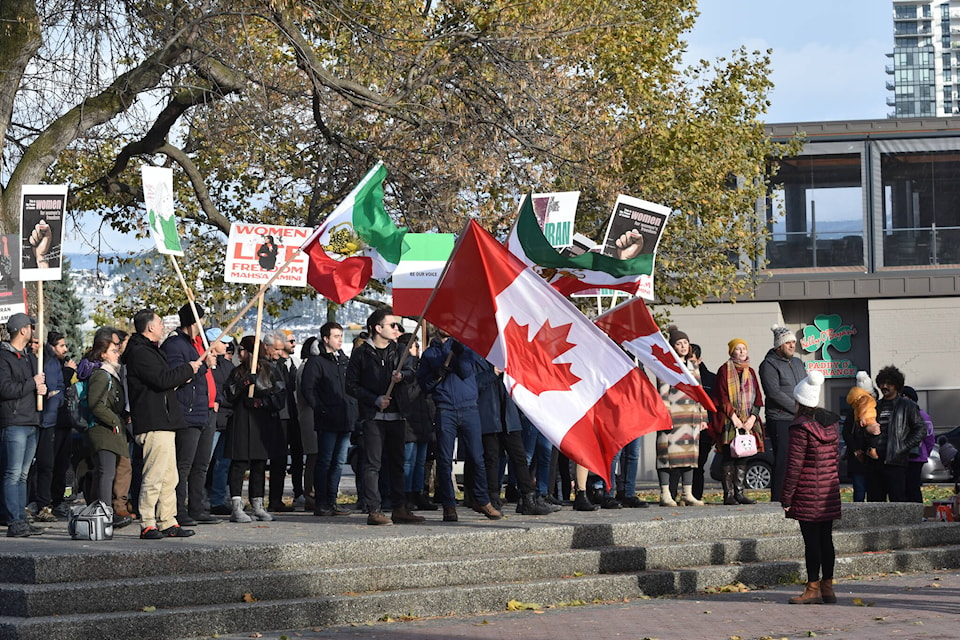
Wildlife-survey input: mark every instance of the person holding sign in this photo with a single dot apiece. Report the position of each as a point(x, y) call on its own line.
point(19, 420)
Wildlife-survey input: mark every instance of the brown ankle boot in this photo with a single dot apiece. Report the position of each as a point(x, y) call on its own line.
point(810, 595)
point(827, 593)
point(402, 515)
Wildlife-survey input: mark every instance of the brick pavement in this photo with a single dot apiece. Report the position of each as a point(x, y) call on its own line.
point(907, 607)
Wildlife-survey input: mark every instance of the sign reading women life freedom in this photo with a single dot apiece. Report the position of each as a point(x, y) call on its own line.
point(255, 252)
point(41, 231)
point(635, 229)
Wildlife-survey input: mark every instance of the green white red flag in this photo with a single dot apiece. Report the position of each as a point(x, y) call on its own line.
point(570, 274)
point(418, 271)
point(357, 241)
point(579, 389)
point(631, 325)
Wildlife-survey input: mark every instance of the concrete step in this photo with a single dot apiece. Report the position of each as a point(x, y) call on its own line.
point(207, 620)
point(228, 587)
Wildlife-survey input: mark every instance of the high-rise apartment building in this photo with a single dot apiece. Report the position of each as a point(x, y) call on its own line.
point(926, 58)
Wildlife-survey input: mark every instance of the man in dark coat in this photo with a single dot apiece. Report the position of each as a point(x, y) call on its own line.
point(372, 368)
point(20, 383)
point(156, 417)
point(196, 397)
point(335, 413)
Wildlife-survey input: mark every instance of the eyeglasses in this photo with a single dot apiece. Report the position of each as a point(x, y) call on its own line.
point(392, 325)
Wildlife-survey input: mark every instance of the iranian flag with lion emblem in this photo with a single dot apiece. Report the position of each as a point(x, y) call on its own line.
point(579, 389)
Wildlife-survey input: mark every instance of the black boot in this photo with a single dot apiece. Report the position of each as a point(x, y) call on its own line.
point(582, 503)
point(529, 505)
point(412, 501)
point(739, 483)
point(727, 479)
point(424, 503)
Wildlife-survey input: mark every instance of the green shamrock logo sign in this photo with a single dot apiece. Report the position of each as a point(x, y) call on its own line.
point(827, 331)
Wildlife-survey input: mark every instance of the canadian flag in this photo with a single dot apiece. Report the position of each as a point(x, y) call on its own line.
point(631, 325)
point(579, 389)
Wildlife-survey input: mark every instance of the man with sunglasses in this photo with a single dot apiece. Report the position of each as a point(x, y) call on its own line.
point(372, 368)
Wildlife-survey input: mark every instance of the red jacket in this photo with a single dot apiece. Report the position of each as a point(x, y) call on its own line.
point(811, 487)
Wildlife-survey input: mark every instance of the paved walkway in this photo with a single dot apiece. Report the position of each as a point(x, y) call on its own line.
point(906, 607)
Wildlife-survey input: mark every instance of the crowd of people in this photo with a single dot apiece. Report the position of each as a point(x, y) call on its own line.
point(167, 428)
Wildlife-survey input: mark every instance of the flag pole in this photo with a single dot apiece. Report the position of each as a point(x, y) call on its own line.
point(256, 346)
point(433, 294)
point(39, 339)
point(191, 300)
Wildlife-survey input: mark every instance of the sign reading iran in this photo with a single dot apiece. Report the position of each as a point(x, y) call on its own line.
point(418, 271)
point(256, 251)
point(555, 214)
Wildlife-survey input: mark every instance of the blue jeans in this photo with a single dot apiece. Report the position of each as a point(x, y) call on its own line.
point(414, 460)
point(19, 445)
point(629, 459)
point(221, 472)
point(465, 422)
point(539, 450)
point(332, 449)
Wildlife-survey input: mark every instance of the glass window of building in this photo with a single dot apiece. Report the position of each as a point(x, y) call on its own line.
point(815, 213)
point(921, 208)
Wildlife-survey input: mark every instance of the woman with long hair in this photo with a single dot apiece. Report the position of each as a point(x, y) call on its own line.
point(736, 393)
point(253, 428)
point(108, 434)
point(811, 487)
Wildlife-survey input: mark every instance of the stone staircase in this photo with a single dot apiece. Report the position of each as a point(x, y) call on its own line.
point(309, 573)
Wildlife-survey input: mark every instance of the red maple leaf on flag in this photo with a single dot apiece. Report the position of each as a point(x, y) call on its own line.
point(666, 358)
point(531, 362)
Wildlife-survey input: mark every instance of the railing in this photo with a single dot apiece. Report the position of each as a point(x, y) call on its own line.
point(803, 249)
point(921, 246)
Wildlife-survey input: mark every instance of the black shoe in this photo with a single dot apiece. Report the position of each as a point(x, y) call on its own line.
point(176, 531)
point(205, 518)
point(19, 529)
point(280, 507)
point(323, 512)
point(151, 533)
point(610, 502)
point(549, 499)
point(221, 510)
point(424, 503)
point(582, 503)
point(119, 522)
point(341, 511)
point(35, 531)
point(633, 502)
point(186, 521)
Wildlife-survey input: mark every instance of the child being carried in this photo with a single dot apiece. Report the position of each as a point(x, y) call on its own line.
point(864, 405)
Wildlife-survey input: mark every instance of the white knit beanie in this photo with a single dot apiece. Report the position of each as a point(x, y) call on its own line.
point(807, 392)
point(864, 381)
point(781, 335)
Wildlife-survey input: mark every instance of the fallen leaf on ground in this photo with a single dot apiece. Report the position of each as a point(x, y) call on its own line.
point(516, 605)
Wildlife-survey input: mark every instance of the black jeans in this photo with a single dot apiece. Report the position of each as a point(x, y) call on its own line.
point(512, 443)
point(885, 481)
point(779, 431)
point(49, 472)
point(818, 549)
point(706, 444)
point(258, 477)
point(194, 448)
point(383, 444)
point(278, 464)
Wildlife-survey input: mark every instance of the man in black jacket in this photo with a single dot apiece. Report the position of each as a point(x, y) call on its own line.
point(195, 443)
point(901, 428)
point(372, 367)
point(156, 417)
point(324, 385)
point(19, 420)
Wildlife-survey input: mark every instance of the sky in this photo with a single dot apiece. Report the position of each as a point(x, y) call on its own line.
point(827, 63)
point(828, 55)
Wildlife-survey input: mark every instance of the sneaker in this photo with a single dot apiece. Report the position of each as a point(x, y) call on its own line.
point(341, 511)
point(121, 521)
point(35, 531)
point(378, 518)
point(151, 533)
point(46, 515)
point(33, 508)
point(62, 510)
point(323, 511)
point(18, 529)
point(299, 502)
point(186, 521)
point(176, 531)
